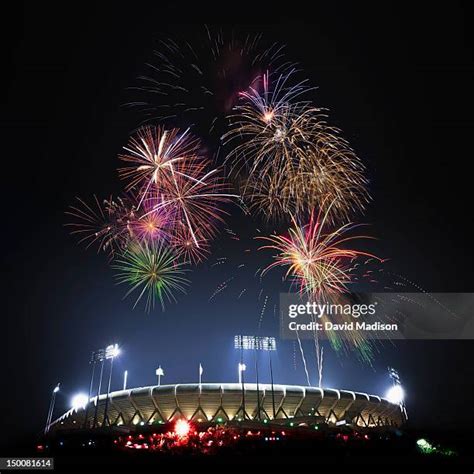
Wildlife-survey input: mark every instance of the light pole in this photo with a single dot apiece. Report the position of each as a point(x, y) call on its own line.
point(51, 408)
point(396, 394)
point(159, 373)
point(98, 356)
point(125, 376)
point(111, 352)
point(258, 388)
point(256, 343)
point(242, 368)
point(93, 361)
point(273, 391)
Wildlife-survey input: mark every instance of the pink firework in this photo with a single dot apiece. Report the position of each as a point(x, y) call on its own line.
point(197, 199)
point(156, 155)
point(153, 223)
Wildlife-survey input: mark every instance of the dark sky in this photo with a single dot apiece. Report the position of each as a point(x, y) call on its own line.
point(398, 79)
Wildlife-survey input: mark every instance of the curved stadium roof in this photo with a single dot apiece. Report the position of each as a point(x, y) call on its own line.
point(210, 401)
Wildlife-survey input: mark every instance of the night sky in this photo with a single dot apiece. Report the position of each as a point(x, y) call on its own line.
point(398, 80)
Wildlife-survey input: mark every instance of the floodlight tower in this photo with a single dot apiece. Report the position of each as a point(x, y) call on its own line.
point(396, 393)
point(97, 356)
point(111, 352)
point(255, 343)
point(51, 408)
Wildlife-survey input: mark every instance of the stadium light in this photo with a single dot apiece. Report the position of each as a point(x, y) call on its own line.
point(395, 394)
point(241, 368)
point(255, 343)
point(159, 373)
point(51, 408)
point(79, 401)
point(111, 352)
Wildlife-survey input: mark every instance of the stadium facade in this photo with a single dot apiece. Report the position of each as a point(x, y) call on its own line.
point(214, 402)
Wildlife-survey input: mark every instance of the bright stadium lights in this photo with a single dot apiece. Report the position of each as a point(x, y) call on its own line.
point(79, 401)
point(112, 351)
point(395, 395)
point(51, 408)
point(159, 373)
point(258, 343)
point(241, 368)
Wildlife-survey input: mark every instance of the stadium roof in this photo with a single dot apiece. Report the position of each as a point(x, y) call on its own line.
point(213, 401)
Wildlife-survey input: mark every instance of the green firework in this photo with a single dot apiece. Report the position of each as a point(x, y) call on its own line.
point(153, 271)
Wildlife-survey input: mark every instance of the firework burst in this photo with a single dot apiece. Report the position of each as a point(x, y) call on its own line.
point(197, 82)
point(106, 225)
point(316, 260)
point(288, 151)
point(157, 156)
point(322, 268)
point(269, 128)
point(197, 201)
point(153, 223)
point(152, 271)
point(187, 249)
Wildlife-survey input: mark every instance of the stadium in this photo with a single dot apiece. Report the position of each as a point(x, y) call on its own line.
point(232, 402)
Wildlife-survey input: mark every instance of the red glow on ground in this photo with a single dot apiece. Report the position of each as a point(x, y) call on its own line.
point(182, 428)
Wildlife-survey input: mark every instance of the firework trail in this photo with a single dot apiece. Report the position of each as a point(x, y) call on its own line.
point(221, 287)
point(303, 358)
point(262, 312)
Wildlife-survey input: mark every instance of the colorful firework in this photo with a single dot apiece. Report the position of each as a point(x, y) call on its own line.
point(270, 128)
point(196, 82)
point(187, 249)
point(288, 151)
point(197, 201)
point(318, 263)
point(151, 270)
point(157, 156)
point(106, 225)
point(315, 260)
point(152, 224)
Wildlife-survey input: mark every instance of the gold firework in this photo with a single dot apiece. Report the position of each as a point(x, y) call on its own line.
point(289, 153)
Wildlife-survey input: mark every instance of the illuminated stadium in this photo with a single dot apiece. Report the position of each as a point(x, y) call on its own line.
point(221, 403)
